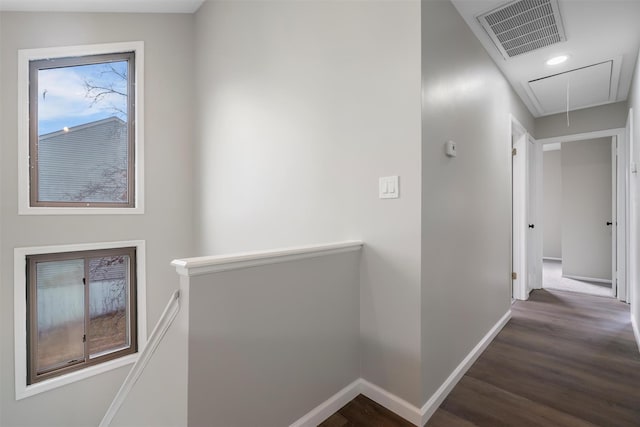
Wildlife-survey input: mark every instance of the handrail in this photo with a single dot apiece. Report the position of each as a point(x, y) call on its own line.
point(166, 319)
point(216, 263)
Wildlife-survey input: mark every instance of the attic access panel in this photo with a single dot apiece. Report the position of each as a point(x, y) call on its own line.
point(523, 26)
point(587, 87)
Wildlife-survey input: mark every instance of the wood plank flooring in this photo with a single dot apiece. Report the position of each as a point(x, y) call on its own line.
point(564, 359)
point(363, 411)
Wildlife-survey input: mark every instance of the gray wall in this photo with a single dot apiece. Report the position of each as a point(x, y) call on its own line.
point(552, 204)
point(609, 116)
point(301, 106)
point(466, 201)
point(168, 164)
point(586, 207)
point(634, 229)
point(274, 340)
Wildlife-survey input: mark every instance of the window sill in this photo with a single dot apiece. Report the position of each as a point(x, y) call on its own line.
point(23, 210)
point(23, 391)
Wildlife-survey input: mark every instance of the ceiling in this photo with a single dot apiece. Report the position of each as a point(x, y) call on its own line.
point(128, 6)
point(601, 38)
point(602, 42)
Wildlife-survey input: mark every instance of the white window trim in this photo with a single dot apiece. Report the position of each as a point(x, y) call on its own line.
point(26, 55)
point(20, 317)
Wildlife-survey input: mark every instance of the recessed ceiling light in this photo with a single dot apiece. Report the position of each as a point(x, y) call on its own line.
point(557, 60)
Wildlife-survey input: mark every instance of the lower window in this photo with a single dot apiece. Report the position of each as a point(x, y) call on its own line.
point(81, 310)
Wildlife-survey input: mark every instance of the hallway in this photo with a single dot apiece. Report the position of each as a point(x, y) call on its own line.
point(564, 359)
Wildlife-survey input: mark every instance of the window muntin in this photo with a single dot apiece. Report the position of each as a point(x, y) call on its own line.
point(81, 310)
point(82, 131)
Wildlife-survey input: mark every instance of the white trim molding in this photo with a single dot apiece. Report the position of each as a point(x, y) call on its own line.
point(636, 330)
point(397, 405)
point(582, 136)
point(438, 397)
point(392, 402)
point(213, 264)
point(27, 55)
point(329, 406)
point(22, 390)
point(620, 287)
point(164, 323)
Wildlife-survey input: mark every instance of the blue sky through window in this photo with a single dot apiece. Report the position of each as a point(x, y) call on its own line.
point(75, 95)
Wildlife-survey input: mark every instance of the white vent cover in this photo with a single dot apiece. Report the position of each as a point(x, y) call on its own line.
point(524, 25)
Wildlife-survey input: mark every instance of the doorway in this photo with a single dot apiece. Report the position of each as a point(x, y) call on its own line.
point(528, 224)
point(605, 237)
point(578, 212)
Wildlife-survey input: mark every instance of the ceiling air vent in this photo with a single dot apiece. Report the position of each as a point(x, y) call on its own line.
point(525, 25)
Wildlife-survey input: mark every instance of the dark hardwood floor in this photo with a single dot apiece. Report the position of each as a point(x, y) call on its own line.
point(564, 359)
point(363, 411)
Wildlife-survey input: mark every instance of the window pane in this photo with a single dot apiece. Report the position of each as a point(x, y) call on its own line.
point(83, 134)
point(60, 300)
point(108, 302)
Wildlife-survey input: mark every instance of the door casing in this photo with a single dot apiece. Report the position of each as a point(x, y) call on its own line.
point(619, 276)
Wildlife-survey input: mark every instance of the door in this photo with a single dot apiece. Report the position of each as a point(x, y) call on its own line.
point(534, 215)
point(587, 219)
point(519, 212)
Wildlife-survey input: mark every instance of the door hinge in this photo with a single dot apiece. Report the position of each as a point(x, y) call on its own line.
point(514, 151)
point(514, 276)
point(84, 338)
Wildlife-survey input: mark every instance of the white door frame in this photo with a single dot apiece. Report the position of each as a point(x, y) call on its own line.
point(632, 214)
point(614, 215)
point(620, 286)
point(518, 139)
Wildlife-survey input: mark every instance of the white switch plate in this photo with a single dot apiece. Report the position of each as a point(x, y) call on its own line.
point(388, 187)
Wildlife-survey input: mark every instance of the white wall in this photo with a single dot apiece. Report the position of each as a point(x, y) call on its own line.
point(552, 204)
point(268, 344)
point(586, 207)
point(634, 221)
point(466, 201)
point(609, 116)
point(301, 106)
point(168, 120)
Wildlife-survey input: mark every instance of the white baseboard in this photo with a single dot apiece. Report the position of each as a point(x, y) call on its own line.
point(586, 279)
point(360, 386)
point(438, 397)
point(550, 258)
point(329, 406)
point(413, 414)
point(636, 330)
point(392, 402)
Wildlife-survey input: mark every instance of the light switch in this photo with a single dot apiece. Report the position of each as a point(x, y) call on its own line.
point(388, 187)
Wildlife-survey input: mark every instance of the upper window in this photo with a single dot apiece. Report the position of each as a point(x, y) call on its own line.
point(83, 152)
point(81, 139)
